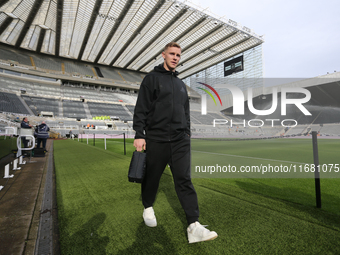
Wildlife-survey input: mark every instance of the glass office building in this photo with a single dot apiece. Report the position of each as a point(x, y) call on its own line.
point(250, 77)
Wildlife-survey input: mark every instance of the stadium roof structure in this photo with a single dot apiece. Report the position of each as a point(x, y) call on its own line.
point(128, 34)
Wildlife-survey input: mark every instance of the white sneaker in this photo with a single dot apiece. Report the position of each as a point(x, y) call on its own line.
point(149, 217)
point(198, 233)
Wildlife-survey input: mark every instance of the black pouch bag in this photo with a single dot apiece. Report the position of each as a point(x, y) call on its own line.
point(137, 167)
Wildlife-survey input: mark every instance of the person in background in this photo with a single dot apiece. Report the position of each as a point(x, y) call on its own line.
point(42, 135)
point(25, 124)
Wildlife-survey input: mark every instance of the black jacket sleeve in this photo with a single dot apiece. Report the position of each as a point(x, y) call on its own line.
point(142, 108)
point(25, 125)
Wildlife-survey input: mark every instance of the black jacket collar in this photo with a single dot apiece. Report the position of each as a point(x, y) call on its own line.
point(160, 69)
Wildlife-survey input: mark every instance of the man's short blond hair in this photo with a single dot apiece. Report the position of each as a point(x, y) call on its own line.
point(172, 44)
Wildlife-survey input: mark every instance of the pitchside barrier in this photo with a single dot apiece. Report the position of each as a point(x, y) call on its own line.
point(7, 144)
point(15, 168)
point(28, 133)
point(106, 139)
point(316, 173)
point(19, 158)
point(31, 143)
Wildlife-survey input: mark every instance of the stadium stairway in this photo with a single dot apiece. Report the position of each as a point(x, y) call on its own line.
point(26, 106)
point(28, 207)
point(127, 110)
point(60, 106)
point(87, 111)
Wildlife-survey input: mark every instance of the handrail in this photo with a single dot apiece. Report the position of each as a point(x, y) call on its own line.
point(6, 128)
point(19, 144)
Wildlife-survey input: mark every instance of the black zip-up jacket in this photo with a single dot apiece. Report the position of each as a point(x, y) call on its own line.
point(162, 108)
point(25, 125)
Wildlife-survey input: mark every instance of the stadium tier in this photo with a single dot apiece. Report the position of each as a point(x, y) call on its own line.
point(329, 129)
point(198, 118)
point(12, 55)
point(201, 124)
point(131, 108)
point(11, 103)
point(39, 104)
point(297, 130)
point(73, 109)
point(33, 83)
point(64, 67)
point(74, 67)
point(323, 103)
point(99, 109)
point(45, 62)
point(132, 76)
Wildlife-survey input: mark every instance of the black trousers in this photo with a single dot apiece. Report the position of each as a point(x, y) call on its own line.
point(178, 155)
point(43, 141)
point(24, 141)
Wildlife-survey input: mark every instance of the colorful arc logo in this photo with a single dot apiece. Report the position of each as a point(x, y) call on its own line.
point(209, 93)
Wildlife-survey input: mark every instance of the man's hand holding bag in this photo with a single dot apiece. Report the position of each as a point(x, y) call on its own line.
point(137, 167)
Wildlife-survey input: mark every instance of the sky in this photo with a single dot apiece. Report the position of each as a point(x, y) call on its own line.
point(302, 37)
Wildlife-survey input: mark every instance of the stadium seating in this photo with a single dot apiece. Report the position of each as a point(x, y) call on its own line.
point(107, 96)
point(297, 130)
point(195, 106)
point(11, 103)
point(73, 109)
point(38, 63)
point(131, 108)
point(17, 85)
point(38, 104)
point(47, 63)
point(131, 76)
point(198, 118)
point(330, 130)
point(75, 67)
point(110, 73)
point(11, 54)
point(99, 109)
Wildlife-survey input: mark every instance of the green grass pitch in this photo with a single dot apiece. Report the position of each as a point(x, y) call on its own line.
point(100, 212)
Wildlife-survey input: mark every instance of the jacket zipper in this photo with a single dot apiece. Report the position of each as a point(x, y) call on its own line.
point(172, 105)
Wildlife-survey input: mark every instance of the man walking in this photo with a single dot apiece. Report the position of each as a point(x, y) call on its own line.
point(162, 124)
